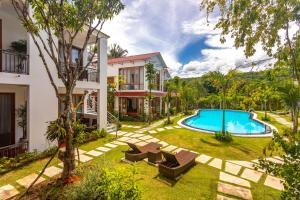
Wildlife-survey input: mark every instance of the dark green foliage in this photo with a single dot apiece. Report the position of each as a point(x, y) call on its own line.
point(223, 137)
point(104, 184)
point(56, 130)
point(99, 133)
point(288, 142)
point(19, 46)
point(9, 164)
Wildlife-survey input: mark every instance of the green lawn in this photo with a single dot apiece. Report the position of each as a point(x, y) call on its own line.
point(127, 129)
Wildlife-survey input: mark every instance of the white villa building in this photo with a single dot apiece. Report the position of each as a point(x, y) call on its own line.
point(131, 96)
point(24, 82)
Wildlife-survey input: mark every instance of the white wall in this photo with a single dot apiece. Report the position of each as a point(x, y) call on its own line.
point(20, 100)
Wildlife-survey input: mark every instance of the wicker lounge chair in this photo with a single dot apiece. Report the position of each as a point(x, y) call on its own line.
point(138, 153)
point(174, 165)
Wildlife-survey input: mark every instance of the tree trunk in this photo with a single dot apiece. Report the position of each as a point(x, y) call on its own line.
point(295, 121)
point(168, 113)
point(150, 107)
point(69, 155)
point(265, 107)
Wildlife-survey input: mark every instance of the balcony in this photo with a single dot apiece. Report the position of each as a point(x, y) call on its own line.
point(90, 76)
point(12, 62)
point(132, 87)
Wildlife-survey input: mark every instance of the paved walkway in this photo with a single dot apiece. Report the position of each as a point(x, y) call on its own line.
point(234, 180)
point(279, 119)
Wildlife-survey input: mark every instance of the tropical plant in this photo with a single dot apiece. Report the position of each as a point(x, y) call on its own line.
point(150, 77)
point(168, 98)
point(19, 46)
point(47, 21)
point(22, 122)
point(176, 81)
point(227, 137)
point(115, 51)
point(290, 94)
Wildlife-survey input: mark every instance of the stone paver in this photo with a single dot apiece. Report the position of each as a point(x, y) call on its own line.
point(136, 127)
point(274, 160)
point(170, 148)
point(7, 192)
point(232, 168)
point(27, 180)
point(177, 126)
point(278, 158)
point(234, 180)
point(124, 139)
point(137, 135)
point(94, 153)
point(118, 143)
point(83, 158)
point(152, 132)
point(133, 140)
point(129, 134)
point(111, 145)
point(242, 163)
point(216, 163)
point(120, 133)
point(52, 171)
point(80, 151)
point(251, 175)
point(142, 143)
point(169, 127)
point(104, 149)
point(153, 140)
point(203, 158)
point(220, 197)
point(140, 131)
point(164, 144)
point(146, 137)
point(160, 129)
point(235, 191)
point(274, 182)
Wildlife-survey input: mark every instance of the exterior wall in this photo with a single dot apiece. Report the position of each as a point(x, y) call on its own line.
point(21, 94)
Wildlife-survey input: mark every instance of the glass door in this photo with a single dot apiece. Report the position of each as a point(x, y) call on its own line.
point(7, 119)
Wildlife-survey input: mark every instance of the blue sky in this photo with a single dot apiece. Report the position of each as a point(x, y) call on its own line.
point(179, 30)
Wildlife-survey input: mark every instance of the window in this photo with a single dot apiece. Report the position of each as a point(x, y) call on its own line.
point(133, 78)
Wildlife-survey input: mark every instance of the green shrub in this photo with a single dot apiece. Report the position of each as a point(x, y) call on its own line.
point(226, 137)
point(167, 123)
point(99, 133)
point(105, 184)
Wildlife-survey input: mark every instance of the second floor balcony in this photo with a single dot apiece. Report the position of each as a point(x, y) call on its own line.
point(13, 62)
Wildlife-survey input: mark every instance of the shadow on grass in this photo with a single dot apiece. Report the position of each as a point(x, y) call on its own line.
point(165, 180)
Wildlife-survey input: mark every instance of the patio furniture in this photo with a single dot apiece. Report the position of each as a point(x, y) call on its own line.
point(174, 165)
point(154, 156)
point(138, 153)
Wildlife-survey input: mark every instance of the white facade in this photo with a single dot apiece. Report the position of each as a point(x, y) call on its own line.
point(34, 89)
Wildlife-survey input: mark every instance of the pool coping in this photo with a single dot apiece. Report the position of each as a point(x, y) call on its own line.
point(253, 116)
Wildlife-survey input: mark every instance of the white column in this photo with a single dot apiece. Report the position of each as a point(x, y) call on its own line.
point(102, 93)
point(116, 108)
point(160, 105)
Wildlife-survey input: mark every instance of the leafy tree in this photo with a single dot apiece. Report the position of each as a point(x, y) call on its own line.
point(150, 77)
point(170, 88)
point(176, 80)
point(65, 20)
point(115, 51)
point(265, 22)
point(290, 95)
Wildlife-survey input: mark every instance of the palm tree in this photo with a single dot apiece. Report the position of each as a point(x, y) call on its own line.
point(115, 51)
point(150, 77)
point(177, 84)
point(223, 83)
point(290, 95)
point(168, 98)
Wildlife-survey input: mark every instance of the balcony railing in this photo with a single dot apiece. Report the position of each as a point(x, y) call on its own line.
point(90, 76)
point(14, 150)
point(132, 87)
point(12, 62)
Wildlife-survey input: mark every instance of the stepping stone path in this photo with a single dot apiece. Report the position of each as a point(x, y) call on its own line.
point(234, 191)
point(52, 171)
point(83, 158)
point(104, 149)
point(203, 158)
point(124, 139)
point(111, 145)
point(274, 182)
point(152, 132)
point(146, 137)
point(153, 140)
point(251, 175)
point(128, 134)
point(94, 153)
point(160, 129)
point(118, 143)
point(170, 148)
point(80, 151)
point(232, 168)
point(142, 143)
point(164, 144)
point(27, 180)
point(8, 191)
point(137, 135)
point(216, 163)
point(169, 127)
point(274, 160)
point(234, 180)
point(242, 163)
point(220, 197)
point(133, 140)
point(177, 127)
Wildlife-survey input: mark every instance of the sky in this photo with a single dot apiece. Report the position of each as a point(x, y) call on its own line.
point(179, 30)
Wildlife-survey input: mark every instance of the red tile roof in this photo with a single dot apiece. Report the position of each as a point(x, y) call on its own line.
point(132, 58)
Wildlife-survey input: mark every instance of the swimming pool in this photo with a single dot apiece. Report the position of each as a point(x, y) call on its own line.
point(236, 122)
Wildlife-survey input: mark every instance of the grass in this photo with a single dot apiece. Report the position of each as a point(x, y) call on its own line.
point(273, 122)
point(127, 129)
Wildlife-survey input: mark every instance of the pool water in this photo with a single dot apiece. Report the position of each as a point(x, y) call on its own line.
point(236, 122)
